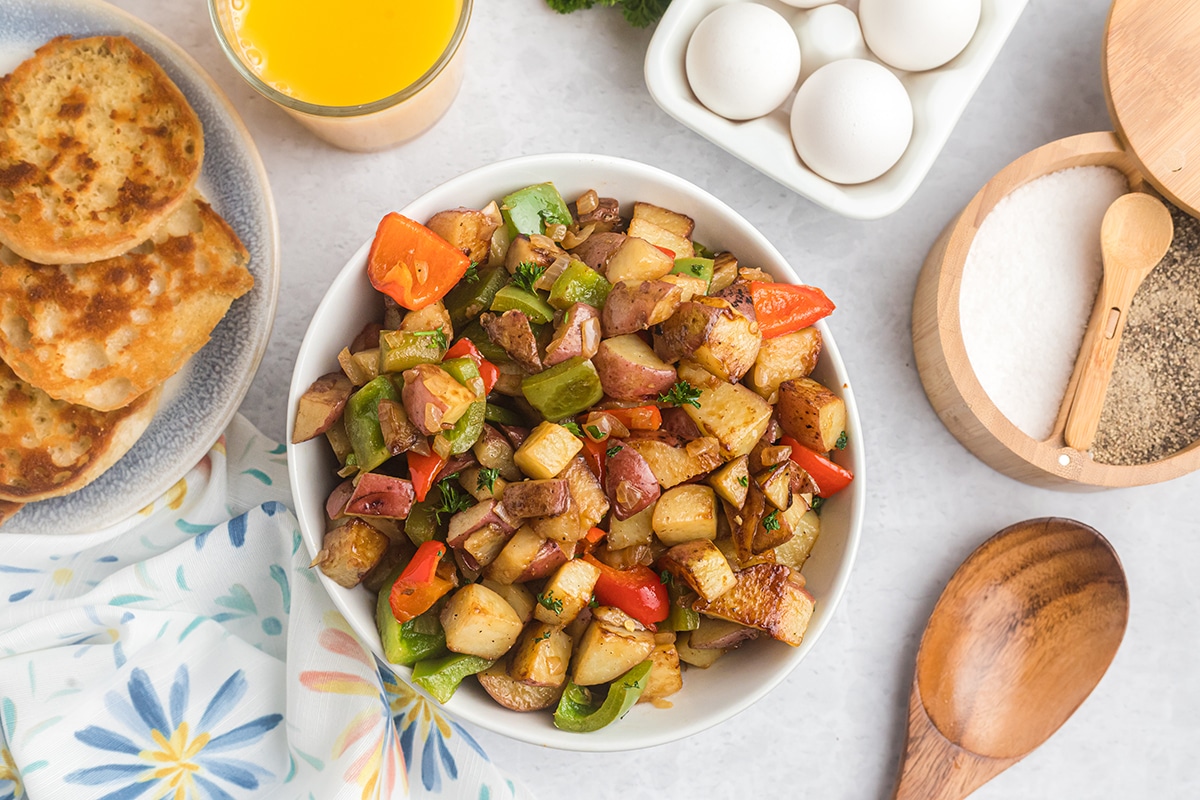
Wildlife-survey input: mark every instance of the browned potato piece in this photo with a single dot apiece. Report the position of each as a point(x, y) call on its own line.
point(612, 644)
point(547, 451)
point(776, 484)
point(587, 495)
point(516, 696)
point(567, 593)
point(630, 370)
point(577, 336)
point(811, 414)
point(720, 634)
point(633, 531)
point(433, 399)
point(725, 272)
point(701, 565)
point(536, 498)
point(512, 332)
point(541, 655)
point(538, 250)
point(792, 355)
point(479, 622)
point(377, 495)
point(517, 595)
point(666, 677)
point(565, 527)
point(711, 333)
point(348, 552)
point(516, 557)
point(638, 260)
point(635, 307)
point(361, 367)
point(684, 513)
point(549, 557)
point(770, 597)
point(493, 450)
point(806, 527)
point(399, 434)
point(596, 250)
point(467, 229)
point(629, 483)
point(736, 416)
point(485, 544)
point(679, 224)
point(433, 317)
point(483, 513)
point(321, 406)
point(731, 481)
point(674, 465)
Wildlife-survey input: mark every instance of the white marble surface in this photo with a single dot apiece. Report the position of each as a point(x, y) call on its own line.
point(540, 82)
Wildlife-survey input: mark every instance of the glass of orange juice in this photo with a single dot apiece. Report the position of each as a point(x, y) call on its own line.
point(361, 74)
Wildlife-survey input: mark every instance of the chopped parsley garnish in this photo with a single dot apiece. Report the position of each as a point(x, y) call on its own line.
point(638, 13)
point(595, 432)
point(842, 441)
point(771, 521)
point(487, 479)
point(593, 602)
point(545, 635)
point(454, 497)
point(550, 602)
point(527, 275)
point(681, 394)
point(612, 451)
point(573, 427)
point(665, 578)
point(817, 503)
point(472, 274)
point(744, 480)
point(438, 336)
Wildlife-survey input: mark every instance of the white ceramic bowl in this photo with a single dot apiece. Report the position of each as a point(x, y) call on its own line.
point(708, 696)
point(938, 97)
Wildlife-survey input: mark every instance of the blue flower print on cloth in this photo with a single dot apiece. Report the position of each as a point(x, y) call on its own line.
point(190, 653)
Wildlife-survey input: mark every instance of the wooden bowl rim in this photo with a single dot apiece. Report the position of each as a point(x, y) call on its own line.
point(1088, 149)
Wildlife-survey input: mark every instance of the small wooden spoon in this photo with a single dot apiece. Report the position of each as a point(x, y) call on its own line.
point(1019, 638)
point(1134, 236)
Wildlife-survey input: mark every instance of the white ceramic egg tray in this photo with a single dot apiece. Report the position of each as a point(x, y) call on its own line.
point(938, 97)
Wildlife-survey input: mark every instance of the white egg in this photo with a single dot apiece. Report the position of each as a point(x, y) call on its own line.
point(808, 3)
point(742, 60)
point(917, 35)
point(851, 121)
point(827, 33)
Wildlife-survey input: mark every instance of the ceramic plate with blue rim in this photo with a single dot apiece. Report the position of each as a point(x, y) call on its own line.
point(201, 399)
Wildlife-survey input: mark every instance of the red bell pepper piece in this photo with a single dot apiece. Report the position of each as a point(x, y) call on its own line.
point(828, 476)
point(422, 470)
point(589, 541)
point(637, 591)
point(419, 586)
point(666, 250)
point(783, 307)
point(640, 418)
point(595, 456)
point(411, 264)
point(465, 348)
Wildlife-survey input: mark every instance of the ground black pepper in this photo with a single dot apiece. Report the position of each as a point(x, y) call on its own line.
point(1152, 408)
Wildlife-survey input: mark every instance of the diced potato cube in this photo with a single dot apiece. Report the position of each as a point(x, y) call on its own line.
point(541, 656)
point(685, 513)
point(547, 451)
point(516, 556)
point(666, 676)
point(674, 465)
point(586, 493)
point(795, 551)
point(770, 597)
point(479, 622)
point(517, 595)
point(567, 593)
point(612, 644)
point(348, 552)
point(564, 527)
point(676, 223)
point(701, 565)
point(636, 530)
point(486, 544)
point(469, 480)
point(637, 260)
point(783, 358)
point(735, 415)
point(731, 481)
point(513, 695)
point(689, 285)
point(811, 414)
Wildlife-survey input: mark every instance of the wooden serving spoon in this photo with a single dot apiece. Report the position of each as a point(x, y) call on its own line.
point(1134, 236)
point(1019, 638)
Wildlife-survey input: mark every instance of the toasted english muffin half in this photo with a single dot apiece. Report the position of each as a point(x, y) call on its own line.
point(97, 148)
point(49, 448)
point(101, 334)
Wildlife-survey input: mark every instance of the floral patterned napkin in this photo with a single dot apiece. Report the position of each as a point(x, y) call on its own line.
point(189, 652)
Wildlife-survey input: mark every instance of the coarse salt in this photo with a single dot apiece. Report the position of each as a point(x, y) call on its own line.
point(1028, 286)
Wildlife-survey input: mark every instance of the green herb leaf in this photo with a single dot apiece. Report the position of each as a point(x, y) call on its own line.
point(472, 272)
point(842, 441)
point(593, 602)
point(612, 451)
point(454, 497)
point(545, 635)
point(438, 336)
point(487, 479)
point(681, 394)
point(573, 427)
point(639, 13)
point(817, 503)
point(550, 602)
point(527, 275)
point(664, 578)
point(744, 480)
point(595, 432)
point(771, 521)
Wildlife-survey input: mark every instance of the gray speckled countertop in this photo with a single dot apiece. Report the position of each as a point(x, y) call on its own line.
point(834, 728)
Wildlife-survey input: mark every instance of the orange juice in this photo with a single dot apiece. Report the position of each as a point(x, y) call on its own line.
point(342, 52)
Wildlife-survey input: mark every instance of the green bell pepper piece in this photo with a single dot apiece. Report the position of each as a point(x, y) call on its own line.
point(703, 251)
point(529, 303)
point(401, 350)
point(502, 415)
point(679, 618)
point(577, 714)
point(466, 432)
point(469, 298)
point(441, 676)
point(579, 283)
point(486, 347)
point(701, 268)
point(409, 642)
point(465, 371)
point(564, 389)
point(531, 209)
point(422, 523)
point(362, 422)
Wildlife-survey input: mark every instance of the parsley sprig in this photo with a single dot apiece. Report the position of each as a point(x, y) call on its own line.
point(639, 13)
point(527, 275)
point(550, 602)
point(437, 335)
point(454, 497)
point(487, 479)
point(573, 427)
point(771, 521)
point(681, 394)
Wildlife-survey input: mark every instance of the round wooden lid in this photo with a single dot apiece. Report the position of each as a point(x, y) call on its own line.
point(1152, 84)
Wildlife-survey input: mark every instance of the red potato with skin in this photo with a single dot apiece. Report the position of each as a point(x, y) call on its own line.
point(635, 307)
point(467, 229)
point(433, 399)
point(335, 506)
point(381, 496)
point(577, 335)
point(597, 249)
point(480, 515)
point(630, 370)
point(629, 483)
point(321, 406)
